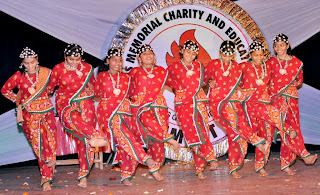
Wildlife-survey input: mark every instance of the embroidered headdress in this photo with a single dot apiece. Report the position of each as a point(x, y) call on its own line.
point(114, 52)
point(227, 48)
point(144, 48)
point(281, 37)
point(191, 45)
point(74, 50)
point(28, 53)
point(256, 46)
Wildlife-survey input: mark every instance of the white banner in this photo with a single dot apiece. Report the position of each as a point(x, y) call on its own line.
point(170, 27)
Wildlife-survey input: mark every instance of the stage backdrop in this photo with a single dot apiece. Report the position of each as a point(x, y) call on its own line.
point(166, 26)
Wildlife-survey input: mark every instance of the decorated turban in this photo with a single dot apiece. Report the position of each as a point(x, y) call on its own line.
point(73, 50)
point(256, 46)
point(28, 53)
point(114, 52)
point(144, 48)
point(281, 37)
point(191, 45)
point(227, 48)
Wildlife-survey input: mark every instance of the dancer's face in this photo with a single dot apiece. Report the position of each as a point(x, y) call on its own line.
point(30, 64)
point(188, 56)
point(257, 56)
point(226, 58)
point(73, 61)
point(147, 58)
point(280, 48)
point(115, 64)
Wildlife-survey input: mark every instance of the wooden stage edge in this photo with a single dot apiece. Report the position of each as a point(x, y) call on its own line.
point(179, 179)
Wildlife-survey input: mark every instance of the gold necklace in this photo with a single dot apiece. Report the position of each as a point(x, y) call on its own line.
point(283, 69)
point(259, 80)
point(225, 73)
point(149, 74)
point(115, 85)
point(32, 89)
point(189, 72)
point(78, 72)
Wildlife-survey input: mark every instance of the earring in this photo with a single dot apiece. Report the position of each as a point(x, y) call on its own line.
point(21, 65)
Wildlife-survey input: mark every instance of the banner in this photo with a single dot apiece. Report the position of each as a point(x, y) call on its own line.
point(166, 26)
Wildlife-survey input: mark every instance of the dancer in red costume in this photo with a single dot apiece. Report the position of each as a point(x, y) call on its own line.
point(149, 107)
point(35, 111)
point(224, 75)
point(286, 79)
point(114, 116)
point(74, 104)
point(256, 101)
point(186, 79)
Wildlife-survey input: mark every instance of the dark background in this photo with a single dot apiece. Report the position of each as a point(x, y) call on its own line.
point(16, 35)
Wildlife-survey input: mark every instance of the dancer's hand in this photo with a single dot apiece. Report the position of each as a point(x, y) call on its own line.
point(212, 84)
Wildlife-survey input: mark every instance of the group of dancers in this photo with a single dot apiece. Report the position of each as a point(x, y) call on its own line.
point(252, 101)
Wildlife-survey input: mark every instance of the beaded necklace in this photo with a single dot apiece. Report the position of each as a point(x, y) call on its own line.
point(115, 84)
point(32, 89)
point(225, 72)
point(78, 72)
point(149, 74)
point(189, 72)
point(259, 80)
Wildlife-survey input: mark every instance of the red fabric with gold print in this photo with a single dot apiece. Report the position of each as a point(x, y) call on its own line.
point(74, 104)
point(114, 116)
point(227, 110)
point(150, 110)
point(284, 96)
point(37, 111)
point(191, 109)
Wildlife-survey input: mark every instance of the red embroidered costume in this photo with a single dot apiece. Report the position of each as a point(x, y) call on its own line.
point(190, 106)
point(227, 110)
point(114, 115)
point(256, 103)
point(284, 96)
point(37, 111)
point(74, 104)
point(149, 110)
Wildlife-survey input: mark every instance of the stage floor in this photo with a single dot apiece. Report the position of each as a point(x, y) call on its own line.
point(179, 179)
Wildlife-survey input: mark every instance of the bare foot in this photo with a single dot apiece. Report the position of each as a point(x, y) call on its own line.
point(83, 183)
point(158, 176)
point(264, 148)
point(213, 165)
point(263, 172)
point(201, 176)
point(236, 175)
point(46, 187)
point(150, 163)
point(127, 182)
point(289, 171)
point(98, 142)
point(311, 159)
point(175, 144)
point(51, 163)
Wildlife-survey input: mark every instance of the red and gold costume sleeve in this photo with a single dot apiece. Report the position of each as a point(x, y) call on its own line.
point(12, 82)
point(54, 80)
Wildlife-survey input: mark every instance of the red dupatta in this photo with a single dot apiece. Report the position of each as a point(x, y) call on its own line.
point(110, 103)
point(145, 94)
